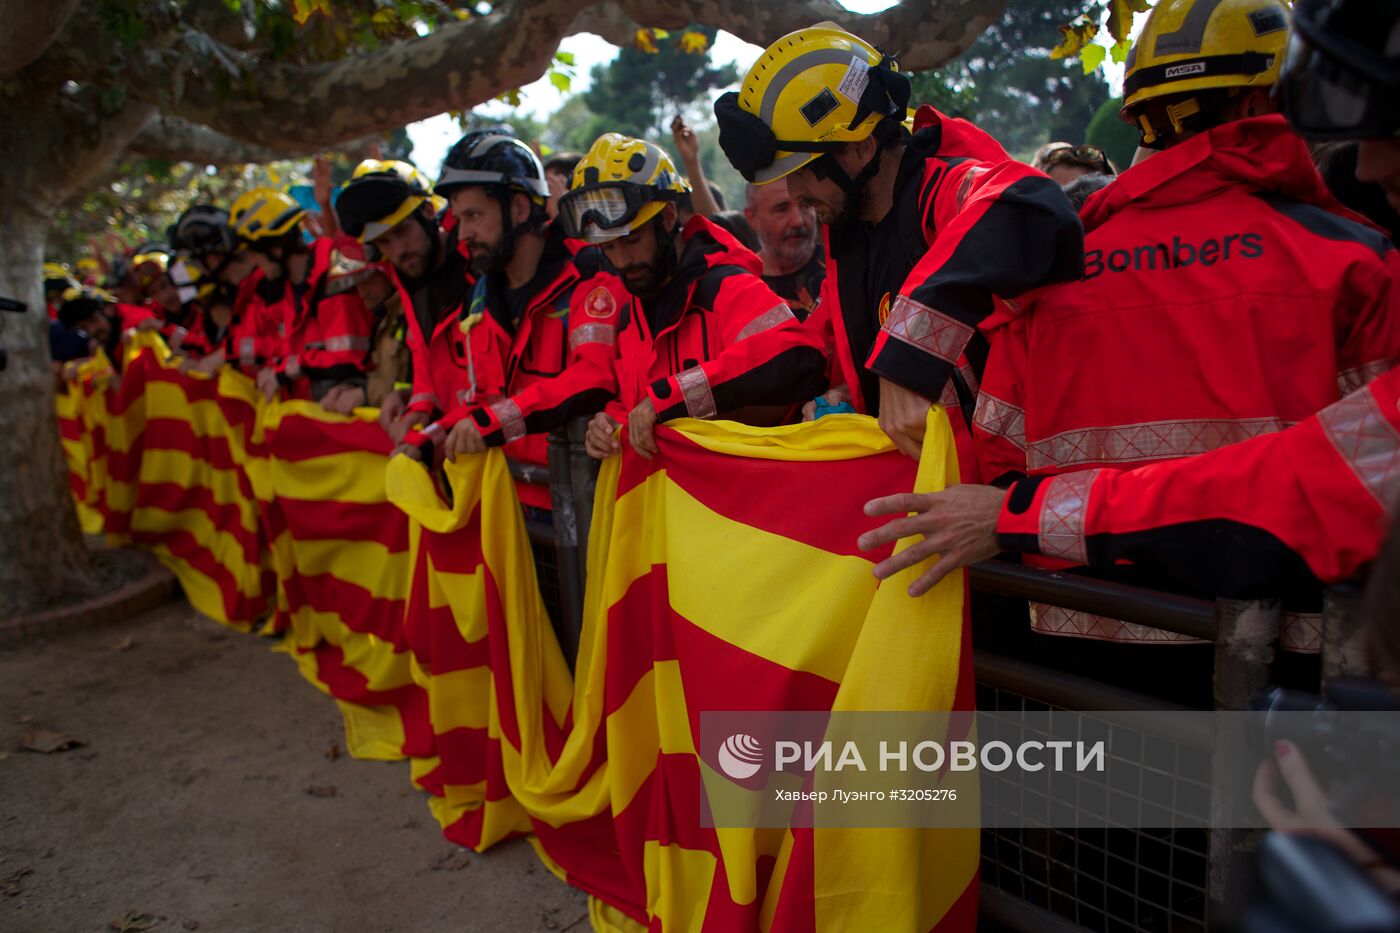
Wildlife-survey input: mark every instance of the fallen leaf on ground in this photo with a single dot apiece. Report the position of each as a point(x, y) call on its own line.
point(124, 645)
point(132, 922)
point(42, 740)
point(4, 755)
point(191, 924)
point(333, 752)
point(27, 717)
point(455, 860)
point(322, 790)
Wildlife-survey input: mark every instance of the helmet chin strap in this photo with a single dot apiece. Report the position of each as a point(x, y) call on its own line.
point(666, 242)
point(854, 188)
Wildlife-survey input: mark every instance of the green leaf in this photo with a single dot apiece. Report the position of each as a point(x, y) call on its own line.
point(564, 58)
point(561, 81)
point(1092, 57)
point(1119, 51)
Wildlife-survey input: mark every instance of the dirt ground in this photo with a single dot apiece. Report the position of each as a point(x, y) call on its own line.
point(211, 793)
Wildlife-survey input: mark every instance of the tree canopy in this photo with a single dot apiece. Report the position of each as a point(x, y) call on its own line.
point(1008, 83)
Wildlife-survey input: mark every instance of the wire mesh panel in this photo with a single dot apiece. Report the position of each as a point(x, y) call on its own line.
point(1099, 879)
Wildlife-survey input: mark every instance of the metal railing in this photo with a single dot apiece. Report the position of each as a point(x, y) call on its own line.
point(1041, 878)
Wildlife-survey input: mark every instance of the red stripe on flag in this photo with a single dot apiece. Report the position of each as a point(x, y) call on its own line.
point(320, 520)
point(354, 605)
point(349, 685)
point(785, 497)
point(237, 607)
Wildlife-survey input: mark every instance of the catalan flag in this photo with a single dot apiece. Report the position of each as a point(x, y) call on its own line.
point(82, 409)
point(341, 553)
point(723, 575)
point(177, 448)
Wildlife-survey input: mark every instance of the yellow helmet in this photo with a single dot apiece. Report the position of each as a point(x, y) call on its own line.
point(87, 266)
point(264, 213)
point(382, 193)
point(618, 187)
point(1199, 45)
point(74, 292)
point(57, 277)
point(808, 93)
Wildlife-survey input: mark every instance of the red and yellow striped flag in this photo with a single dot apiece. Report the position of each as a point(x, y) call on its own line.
point(723, 575)
point(177, 448)
point(341, 552)
point(82, 411)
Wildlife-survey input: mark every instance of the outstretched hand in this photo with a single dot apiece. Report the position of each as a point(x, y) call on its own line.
point(958, 524)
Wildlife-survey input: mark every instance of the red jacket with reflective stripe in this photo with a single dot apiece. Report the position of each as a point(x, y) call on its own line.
point(258, 332)
point(1226, 295)
point(330, 329)
point(716, 339)
point(519, 379)
point(259, 327)
point(418, 336)
point(970, 224)
point(560, 357)
point(1314, 501)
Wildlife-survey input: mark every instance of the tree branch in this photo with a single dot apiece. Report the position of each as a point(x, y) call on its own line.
point(181, 141)
point(920, 33)
point(30, 28)
point(309, 107)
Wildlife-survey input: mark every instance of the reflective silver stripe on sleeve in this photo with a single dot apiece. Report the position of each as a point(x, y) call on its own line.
point(592, 333)
point(1367, 442)
point(512, 421)
point(695, 387)
point(247, 351)
point(1062, 513)
point(432, 431)
point(1000, 419)
point(423, 397)
point(1153, 440)
point(773, 317)
point(931, 331)
point(1349, 380)
point(346, 343)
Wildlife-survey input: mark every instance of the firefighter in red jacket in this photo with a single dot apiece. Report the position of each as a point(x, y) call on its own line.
point(702, 335)
point(301, 291)
point(534, 342)
point(922, 230)
point(387, 205)
point(1221, 267)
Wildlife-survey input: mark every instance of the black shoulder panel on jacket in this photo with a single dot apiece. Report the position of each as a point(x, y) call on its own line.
point(1324, 223)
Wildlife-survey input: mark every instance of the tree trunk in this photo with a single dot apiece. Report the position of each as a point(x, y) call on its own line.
point(42, 556)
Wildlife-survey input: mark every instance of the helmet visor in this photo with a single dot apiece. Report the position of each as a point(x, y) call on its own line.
point(1325, 99)
point(604, 212)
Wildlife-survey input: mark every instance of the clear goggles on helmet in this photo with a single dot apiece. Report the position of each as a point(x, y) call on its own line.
point(604, 211)
point(1324, 97)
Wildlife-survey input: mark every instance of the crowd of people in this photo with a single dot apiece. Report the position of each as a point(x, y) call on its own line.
point(1176, 374)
